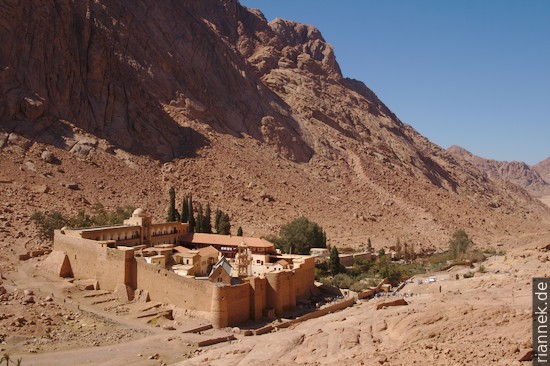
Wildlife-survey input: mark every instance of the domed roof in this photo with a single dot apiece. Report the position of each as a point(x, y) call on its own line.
point(139, 212)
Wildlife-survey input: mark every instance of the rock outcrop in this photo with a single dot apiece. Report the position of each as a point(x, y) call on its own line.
point(133, 97)
point(516, 172)
point(543, 168)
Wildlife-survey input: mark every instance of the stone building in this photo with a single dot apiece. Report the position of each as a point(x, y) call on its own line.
point(226, 279)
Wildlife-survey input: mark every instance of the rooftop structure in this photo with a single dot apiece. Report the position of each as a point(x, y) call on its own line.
point(229, 279)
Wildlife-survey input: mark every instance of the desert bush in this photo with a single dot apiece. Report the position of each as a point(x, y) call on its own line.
point(342, 280)
point(358, 286)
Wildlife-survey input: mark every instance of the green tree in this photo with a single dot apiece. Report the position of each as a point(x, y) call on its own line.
point(224, 225)
point(115, 217)
point(185, 209)
point(192, 222)
point(81, 219)
point(171, 215)
point(240, 231)
point(300, 235)
point(207, 220)
point(398, 249)
point(48, 222)
point(200, 220)
point(459, 243)
point(217, 219)
point(385, 268)
point(334, 261)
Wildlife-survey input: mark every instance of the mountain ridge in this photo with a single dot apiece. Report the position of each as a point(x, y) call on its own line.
point(517, 172)
point(210, 97)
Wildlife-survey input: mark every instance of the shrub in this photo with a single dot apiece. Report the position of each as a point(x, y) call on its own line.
point(358, 286)
point(342, 280)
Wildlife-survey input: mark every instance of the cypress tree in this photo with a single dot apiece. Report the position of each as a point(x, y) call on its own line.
point(240, 231)
point(334, 261)
point(171, 216)
point(185, 209)
point(192, 221)
point(224, 225)
point(200, 220)
point(208, 220)
point(219, 214)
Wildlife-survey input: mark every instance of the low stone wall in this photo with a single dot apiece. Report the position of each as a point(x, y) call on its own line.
point(316, 314)
point(212, 341)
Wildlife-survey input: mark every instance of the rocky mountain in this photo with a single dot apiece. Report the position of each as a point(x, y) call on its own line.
point(543, 168)
point(516, 172)
point(255, 117)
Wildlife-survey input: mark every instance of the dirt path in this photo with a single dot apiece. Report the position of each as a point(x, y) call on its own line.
point(169, 350)
point(164, 346)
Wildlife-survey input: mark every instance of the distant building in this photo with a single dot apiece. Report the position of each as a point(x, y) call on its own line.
point(321, 255)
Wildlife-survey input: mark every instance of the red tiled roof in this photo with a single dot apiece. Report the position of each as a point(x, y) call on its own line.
point(234, 241)
point(209, 250)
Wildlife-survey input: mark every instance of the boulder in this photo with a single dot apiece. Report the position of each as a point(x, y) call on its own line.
point(397, 302)
point(32, 107)
point(74, 186)
point(41, 188)
point(49, 157)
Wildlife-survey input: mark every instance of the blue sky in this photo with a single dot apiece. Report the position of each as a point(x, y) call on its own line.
point(474, 73)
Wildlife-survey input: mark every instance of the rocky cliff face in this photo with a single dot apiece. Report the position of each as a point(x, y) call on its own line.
point(109, 67)
point(137, 96)
point(515, 171)
point(543, 168)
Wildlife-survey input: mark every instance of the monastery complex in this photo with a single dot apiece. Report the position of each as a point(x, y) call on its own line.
point(226, 279)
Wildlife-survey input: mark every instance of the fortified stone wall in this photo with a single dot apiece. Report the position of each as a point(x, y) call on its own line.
point(166, 286)
point(90, 260)
point(304, 278)
point(230, 305)
point(258, 297)
point(281, 291)
point(225, 305)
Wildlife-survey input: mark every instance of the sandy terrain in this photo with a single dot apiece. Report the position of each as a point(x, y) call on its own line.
point(545, 200)
point(476, 321)
point(70, 326)
point(470, 321)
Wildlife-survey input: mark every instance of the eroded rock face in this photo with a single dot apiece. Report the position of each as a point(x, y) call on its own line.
point(543, 168)
point(109, 67)
point(233, 101)
point(516, 172)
